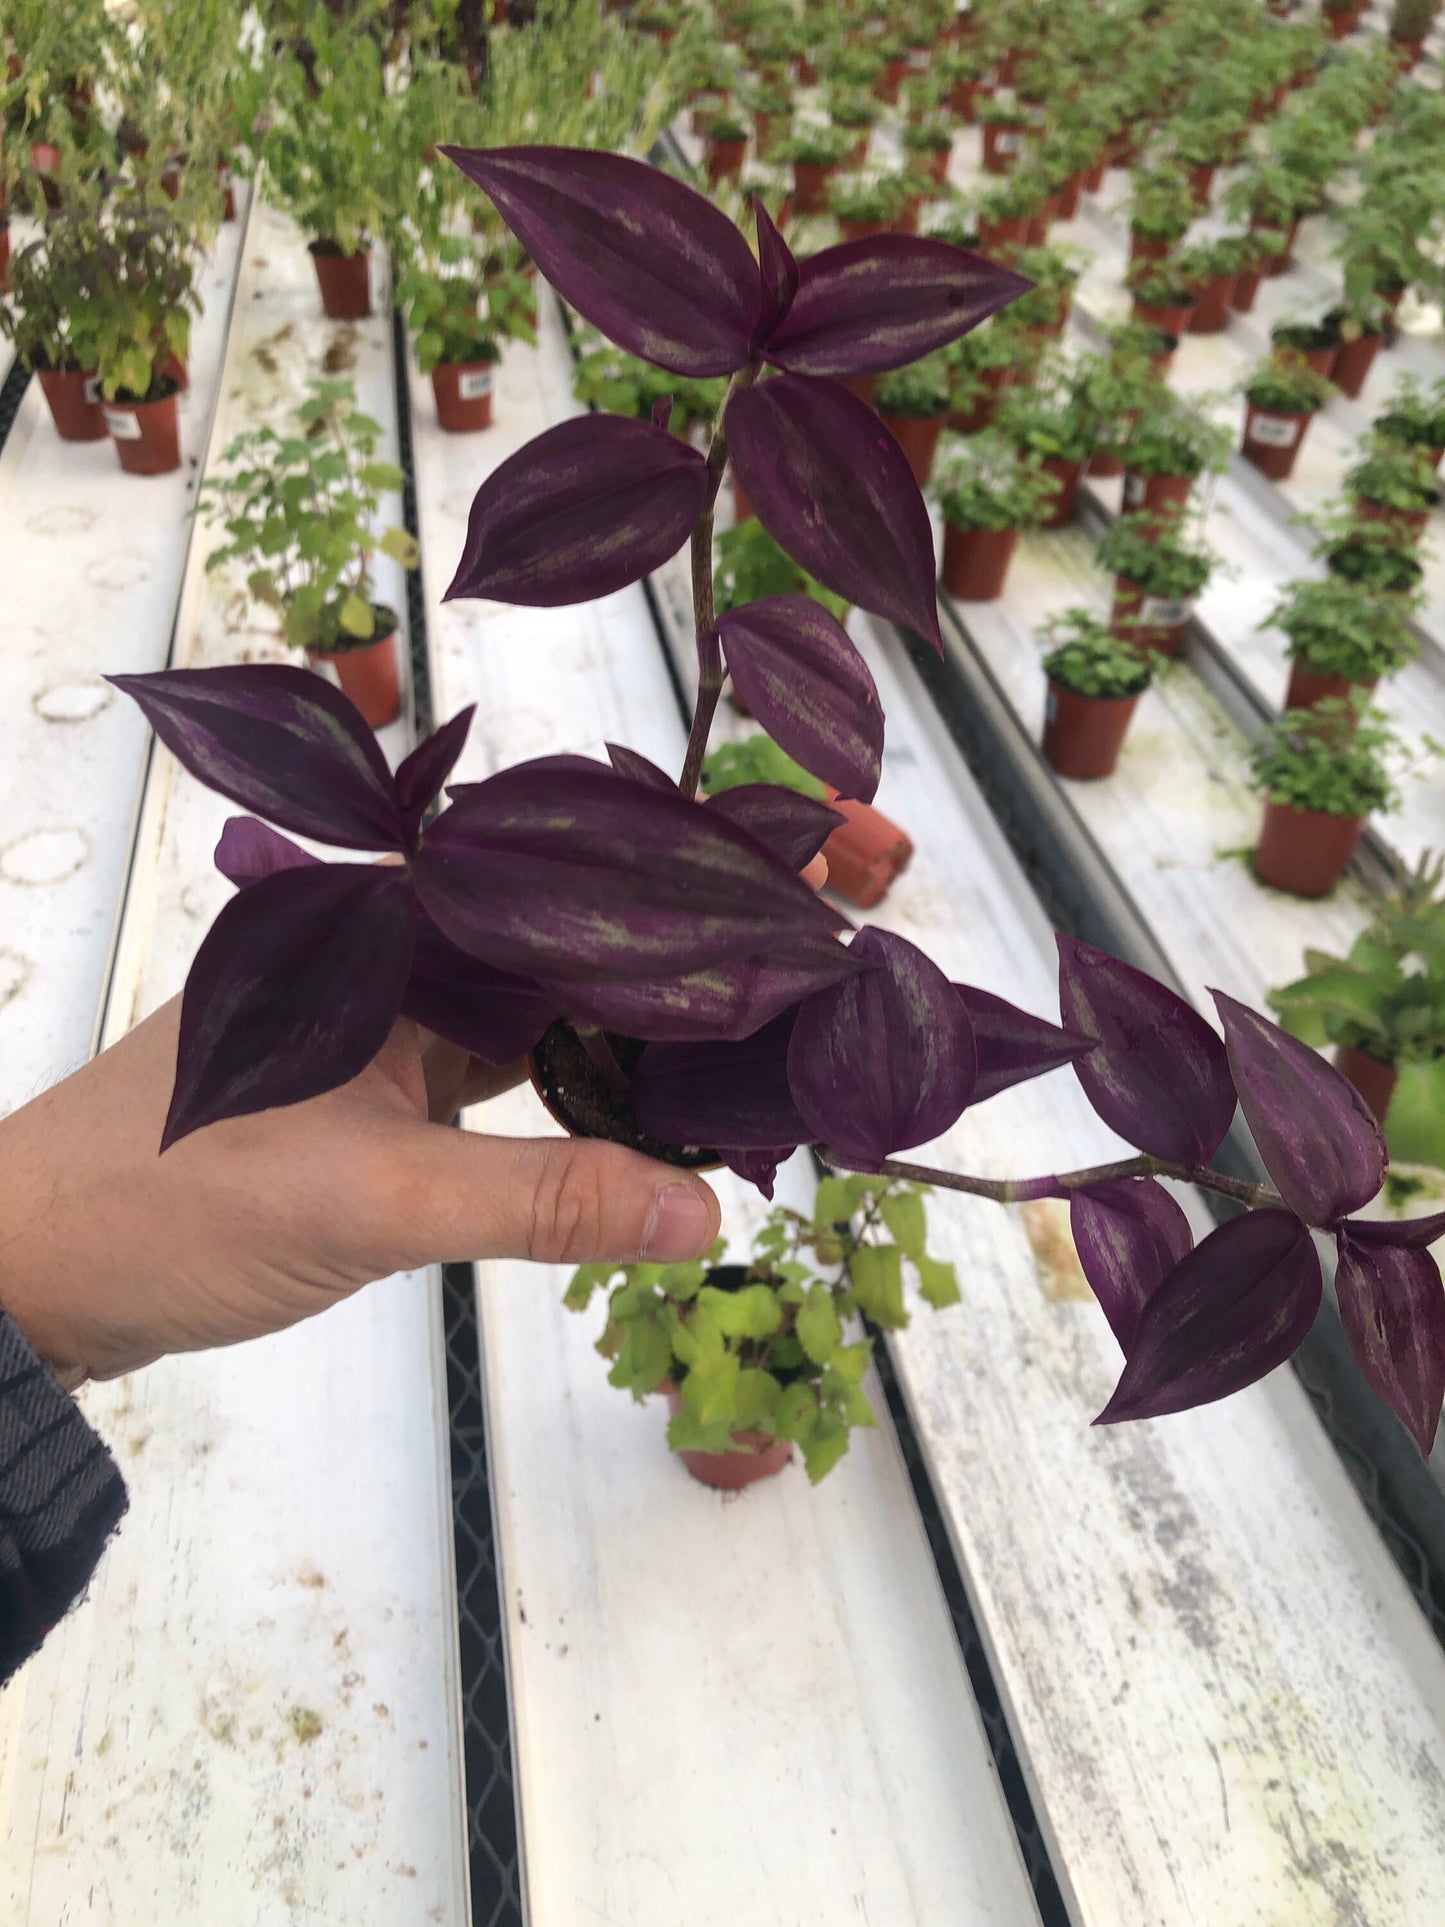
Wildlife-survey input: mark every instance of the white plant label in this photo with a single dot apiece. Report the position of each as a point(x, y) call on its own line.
point(124, 427)
point(225, 177)
point(1274, 431)
point(92, 389)
point(1007, 143)
point(918, 59)
point(1164, 613)
point(474, 383)
point(1135, 489)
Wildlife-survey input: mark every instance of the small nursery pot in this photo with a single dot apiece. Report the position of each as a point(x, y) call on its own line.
point(1353, 362)
point(74, 402)
point(975, 561)
point(725, 160)
point(1069, 194)
point(758, 1456)
point(344, 280)
point(1321, 359)
point(1104, 464)
point(1201, 183)
point(1274, 264)
point(1171, 319)
point(1246, 287)
point(1068, 474)
point(1002, 144)
point(1147, 247)
point(1408, 53)
point(917, 436)
point(936, 166)
point(463, 394)
point(1094, 176)
point(1211, 304)
point(1002, 234)
point(1272, 442)
point(1156, 494)
point(865, 853)
point(1147, 621)
point(963, 100)
point(146, 434)
point(1304, 851)
point(1308, 688)
point(1083, 735)
point(369, 673)
point(1415, 521)
point(810, 186)
point(1373, 1080)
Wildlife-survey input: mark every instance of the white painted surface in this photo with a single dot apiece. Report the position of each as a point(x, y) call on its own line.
point(725, 1711)
point(252, 1719)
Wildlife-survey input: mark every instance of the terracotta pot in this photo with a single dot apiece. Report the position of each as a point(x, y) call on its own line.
point(759, 1456)
point(1172, 319)
point(1211, 304)
point(1069, 194)
point(1147, 247)
point(890, 80)
point(1308, 687)
point(1415, 521)
point(1407, 52)
point(964, 100)
point(1002, 145)
point(369, 674)
point(1273, 442)
point(1353, 362)
point(1274, 264)
point(1084, 734)
point(858, 152)
point(74, 402)
point(1094, 176)
point(862, 386)
point(1201, 183)
point(865, 853)
point(1304, 851)
point(810, 186)
point(463, 395)
point(865, 230)
point(1149, 622)
point(146, 434)
point(1373, 1080)
point(1039, 231)
point(975, 561)
point(344, 280)
point(936, 166)
point(1156, 494)
point(766, 130)
point(1104, 464)
point(1068, 475)
point(725, 160)
point(1246, 287)
point(917, 436)
point(1002, 236)
point(1321, 360)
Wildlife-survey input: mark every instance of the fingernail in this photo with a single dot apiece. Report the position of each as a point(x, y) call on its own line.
point(680, 1226)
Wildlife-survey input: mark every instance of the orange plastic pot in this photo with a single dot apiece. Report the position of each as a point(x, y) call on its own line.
point(725, 160)
point(370, 674)
point(976, 561)
point(964, 100)
point(1104, 464)
point(1083, 735)
point(1304, 851)
point(1353, 362)
point(1004, 235)
point(1169, 319)
point(463, 395)
point(1069, 194)
point(758, 1456)
point(344, 280)
point(1211, 304)
point(1373, 1080)
point(73, 399)
point(810, 186)
point(917, 436)
point(1413, 521)
point(146, 434)
point(865, 853)
point(1147, 247)
point(1246, 287)
point(1003, 142)
point(1148, 622)
point(1201, 183)
point(1068, 474)
point(1274, 264)
point(1321, 360)
point(1273, 442)
point(1156, 494)
point(1408, 53)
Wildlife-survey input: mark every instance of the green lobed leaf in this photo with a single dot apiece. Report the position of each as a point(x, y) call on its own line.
point(819, 1329)
point(937, 1282)
point(877, 1273)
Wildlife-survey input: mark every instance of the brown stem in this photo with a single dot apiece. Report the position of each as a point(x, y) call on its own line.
point(1022, 1190)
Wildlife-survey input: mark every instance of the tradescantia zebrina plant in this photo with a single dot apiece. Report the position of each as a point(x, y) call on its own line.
point(671, 977)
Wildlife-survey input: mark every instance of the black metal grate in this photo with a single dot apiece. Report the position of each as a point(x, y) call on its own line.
point(12, 393)
point(490, 1780)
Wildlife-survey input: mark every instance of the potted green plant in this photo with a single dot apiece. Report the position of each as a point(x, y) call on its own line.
point(1415, 416)
point(53, 316)
point(1116, 385)
point(754, 1359)
point(725, 139)
point(930, 142)
point(1006, 128)
point(913, 402)
point(1210, 270)
point(1281, 399)
point(990, 491)
point(1342, 637)
point(1163, 298)
point(868, 204)
point(1158, 575)
point(1172, 443)
point(1052, 421)
point(1410, 24)
point(982, 366)
point(1161, 212)
point(459, 316)
point(1095, 680)
point(1272, 199)
point(621, 384)
point(1258, 248)
point(1316, 343)
point(772, 107)
point(1006, 213)
point(1323, 771)
point(299, 511)
point(856, 115)
point(1381, 1005)
point(1376, 555)
point(816, 154)
point(1359, 330)
point(752, 565)
point(1394, 481)
point(1044, 310)
point(146, 295)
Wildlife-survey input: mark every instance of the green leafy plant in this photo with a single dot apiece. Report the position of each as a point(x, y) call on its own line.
point(1159, 284)
point(817, 146)
point(1394, 474)
point(623, 384)
point(1413, 414)
point(931, 136)
point(1339, 628)
point(1331, 758)
point(299, 511)
point(54, 313)
point(1050, 419)
point(1413, 19)
point(920, 390)
point(1054, 273)
point(1377, 555)
point(1175, 437)
point(1086, 656)
point(776, 1347)
point(752, 566)
point(853, 111)
point(146, 296)
point(727, 124)
point(1286, 385)
point(1154, 553)
point(869, 197)
point(460, 313)
point(1206, 260)
point(756, 759)
point(1162, 204)
point(987, 482)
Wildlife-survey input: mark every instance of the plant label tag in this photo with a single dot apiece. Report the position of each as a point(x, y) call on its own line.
point(1135, 489)
point(473, 383)
point(91, 391)
point(988, 79)
point(1274, 431)
point(1007, 143)
point(124, 426)
point(918, 59)
point(1165, 612)
point(225, 177)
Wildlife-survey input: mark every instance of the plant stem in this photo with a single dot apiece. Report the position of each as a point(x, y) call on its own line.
point(1060, 1183)
point(709, 650)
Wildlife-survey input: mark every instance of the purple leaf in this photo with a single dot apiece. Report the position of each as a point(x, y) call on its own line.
point(885, 1060)
point(1318, 1138)
point(793, 827)
point(657, 268)
point(1158, 1075)
point(726, 1001)
point(494, 1014)
point(1231, 1311)
point(731, 1096)
point(1129, 1234)
point(292, 993)
point(830, 483)
point(281, 742)
point(759, 1168)
point(1013, 1045)
point(869, 305)
point(585, 873)
point(1392, 1306)
point(582, 510)
point(627, 762)
point(419, 778)
point(249, 850)
point(778, 272)
point(1411, 1234)
point(802, 677)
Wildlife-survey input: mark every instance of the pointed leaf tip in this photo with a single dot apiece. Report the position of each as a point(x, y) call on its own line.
point(777, 272)
point(1392, 1306)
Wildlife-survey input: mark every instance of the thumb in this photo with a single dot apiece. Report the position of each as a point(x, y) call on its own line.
point(554, 1200)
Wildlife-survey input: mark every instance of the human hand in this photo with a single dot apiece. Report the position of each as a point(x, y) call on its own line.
point(112, 1256)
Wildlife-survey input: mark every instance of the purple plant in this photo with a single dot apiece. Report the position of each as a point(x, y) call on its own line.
point(597, 917)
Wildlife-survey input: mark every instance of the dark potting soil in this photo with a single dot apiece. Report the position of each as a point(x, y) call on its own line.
point(579, 1097)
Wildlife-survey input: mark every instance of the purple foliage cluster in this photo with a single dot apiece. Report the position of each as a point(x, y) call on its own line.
point(605, 898)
